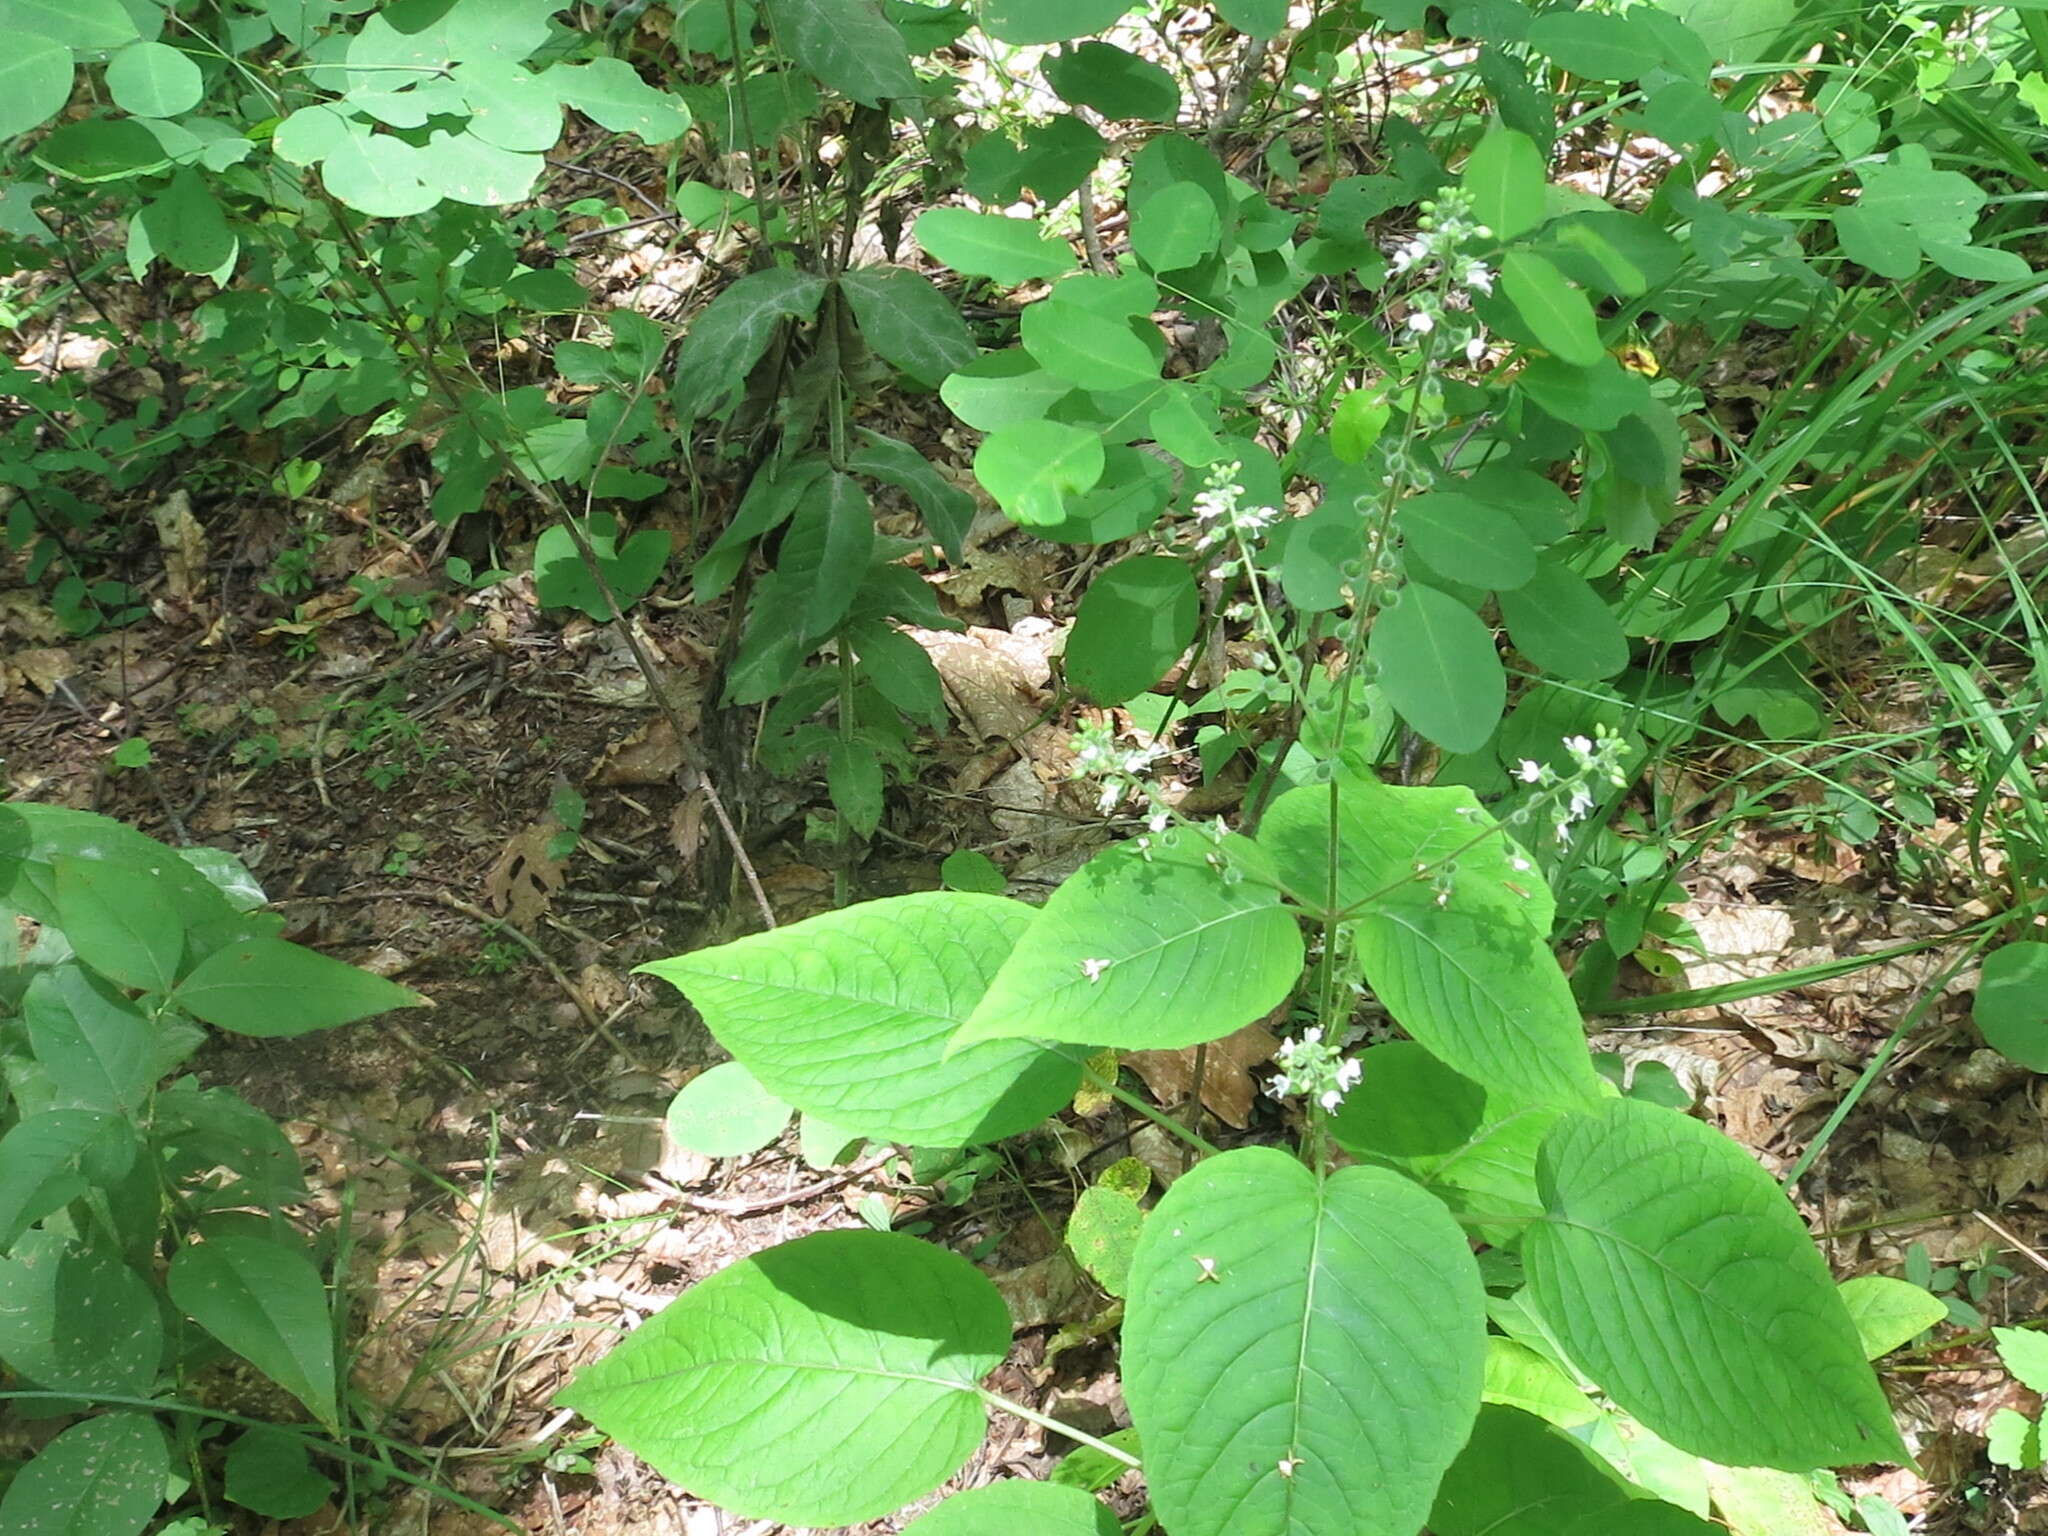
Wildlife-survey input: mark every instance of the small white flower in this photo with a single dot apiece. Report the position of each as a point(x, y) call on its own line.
point(1581, 804)
point(1578, 746)
point(1475, 349)
point(1111, 794)
point(1287, 1465)
point(1093, 969)
point(1157, 821)
point(1421, 322)
point(1478, 275)
point(1348, 1074)
point(1528, 770)
point(1332, 1098)
point(1520, 865)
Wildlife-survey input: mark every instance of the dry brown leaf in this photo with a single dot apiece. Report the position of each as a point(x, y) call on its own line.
point(184, 545)
point(651, 755)
point(1227, 1086)
point(43, 668)
point(686, 826)
point(523, 882)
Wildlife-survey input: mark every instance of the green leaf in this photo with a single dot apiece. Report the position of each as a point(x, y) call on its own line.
point(847, 1016)
point(853, 778)
point(2025, 1353)
point(1356, 424)
point(900, 670)
point(467, 169)
point(772, 495)
point(1029, 467)
point(610, 92)
point(1001, 388)
point(825, 553)
point(909, 322)
point(725, 1112)
point(1504, 177)
point(118, 924)
point(1183, 424)
point(1118, 84)
point(1148, 949)
point(966, 870)
point(1737, 32)
point(1976, 263)
point(1887, 248)
point(1439, 668)
point(1518, 1476)
point(104, 1476)
point(510, 106)
point(1463, 536)
point(1133, 624)
point(267, 1303)
point(1555, 311)
point(93, 26)
point(1013, 1505)
point(829, 1380)
point(561, 578)
point(1301, 1356)
point(187, 226)
point(268, 1470)
point(378, 174)
point(77, 1320)
point(154, 80)
point(100, 149)
point(849, 45)
point(2011, 1007)
point(35, 82)
point(1471, 978)
point(271, 988)
point(41, 1158)
point(1676, 1275)
point(1261, 18)
point(1888, 1312)
point(1011, 251)
point(1052, 160)
point(948, 511)
point(2013, 1440)
point(1103, 1234)
point(1048, 21)
point(732, 334)
point(1073, 343)
point(1593, 45)
point(98, 1049)
point(1561, 624)
point(1176, 227)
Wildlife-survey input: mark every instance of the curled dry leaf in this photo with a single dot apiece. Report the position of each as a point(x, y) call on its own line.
point(523, 882)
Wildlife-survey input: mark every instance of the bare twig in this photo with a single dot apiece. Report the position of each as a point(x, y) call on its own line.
point(839, 1180)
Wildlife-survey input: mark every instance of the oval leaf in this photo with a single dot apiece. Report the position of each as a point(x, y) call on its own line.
point(2011, 1009)
point(1676, 1275)
point(1300, 1356)
point(1029, 467)
point(1084, 348)
point(725, 1112)
point(266, 1302)
point(1466, 538)
point(1439, 668)
point(117, 923)
point(1504, 178)
point(154, 80)
point(1135, 621)
point(1147, 949)
point(846, 1015)
point(35, 82)
point(273, 987)
point(993, 245)
point(1552, 308)
point(1001, 1509)
point(825, 1381)
point(103, 1477)
point(1561, 624)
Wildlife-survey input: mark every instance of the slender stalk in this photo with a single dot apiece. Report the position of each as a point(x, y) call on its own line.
point(1033, 1416)
point(1164, 1121)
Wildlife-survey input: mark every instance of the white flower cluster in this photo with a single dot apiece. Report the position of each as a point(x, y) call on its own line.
point(1435, 259)
point(1220, 518)
point(1568, 798)
point(1316, 1069)
point(1098, 755)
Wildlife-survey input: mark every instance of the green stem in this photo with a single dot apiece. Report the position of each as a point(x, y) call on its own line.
point(1033, 1416)
point(1159, 1118)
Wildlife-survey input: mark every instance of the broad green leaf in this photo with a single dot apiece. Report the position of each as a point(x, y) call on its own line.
point(377, 173)
point(1261, 18)
point(1679, 1278)
point(154, 80)
point(1888, 248)
point(1176, 227)
point(562, 578)
point(1001, 388)
point(826, 1381)
point(99, 1049)
point(510, 106)
point(948, 511)
point(267, 1303)
point(1031, 467)
point(725, 1112)
point(909, 322)
point(1759, 1501)
point(1072, 343)
point(1048, 21)
point(1976, 263)
point(849, 45)
point(965, 869)
point(1148, 949)
point(1464, 537)
point(1736, 32)
point(1301, 1355)
point(1134, 622)
point(732, 334)
point(91, 25)
point(1439, 668)
point(1181, 425)
point(468, 169)
point(186, 225)
point(1103, 1235)
point(825, 553)
point(1593, 44)
point(610, 92)
point(272, 987)
point(118, 924)
point(2025, 1353)
point(2011, 1007)
point(2013, 1440)
point(1518, 1476)
point(103, 1476)
point(1908, 190)
point(771, 496)
point(41, 1161)
point(901, 671)
point(1888, 1312)
point(269, 1471)
point(1052, 160)
point(35, 82)
point(1552, 308)
point(1504, 177)
point(1356, 424)
point(78, 1320)
point(100, 149)
point(1119, 85)
point(853, 778)
point(847, 1015)
point(1471, 978)
point(1561, 624)
point(1518, 1377)
point(993, 245)
point(1014, 1505)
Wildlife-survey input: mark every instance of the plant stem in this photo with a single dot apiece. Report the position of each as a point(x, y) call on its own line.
point(1033, 1416)
point(1165, 1121)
